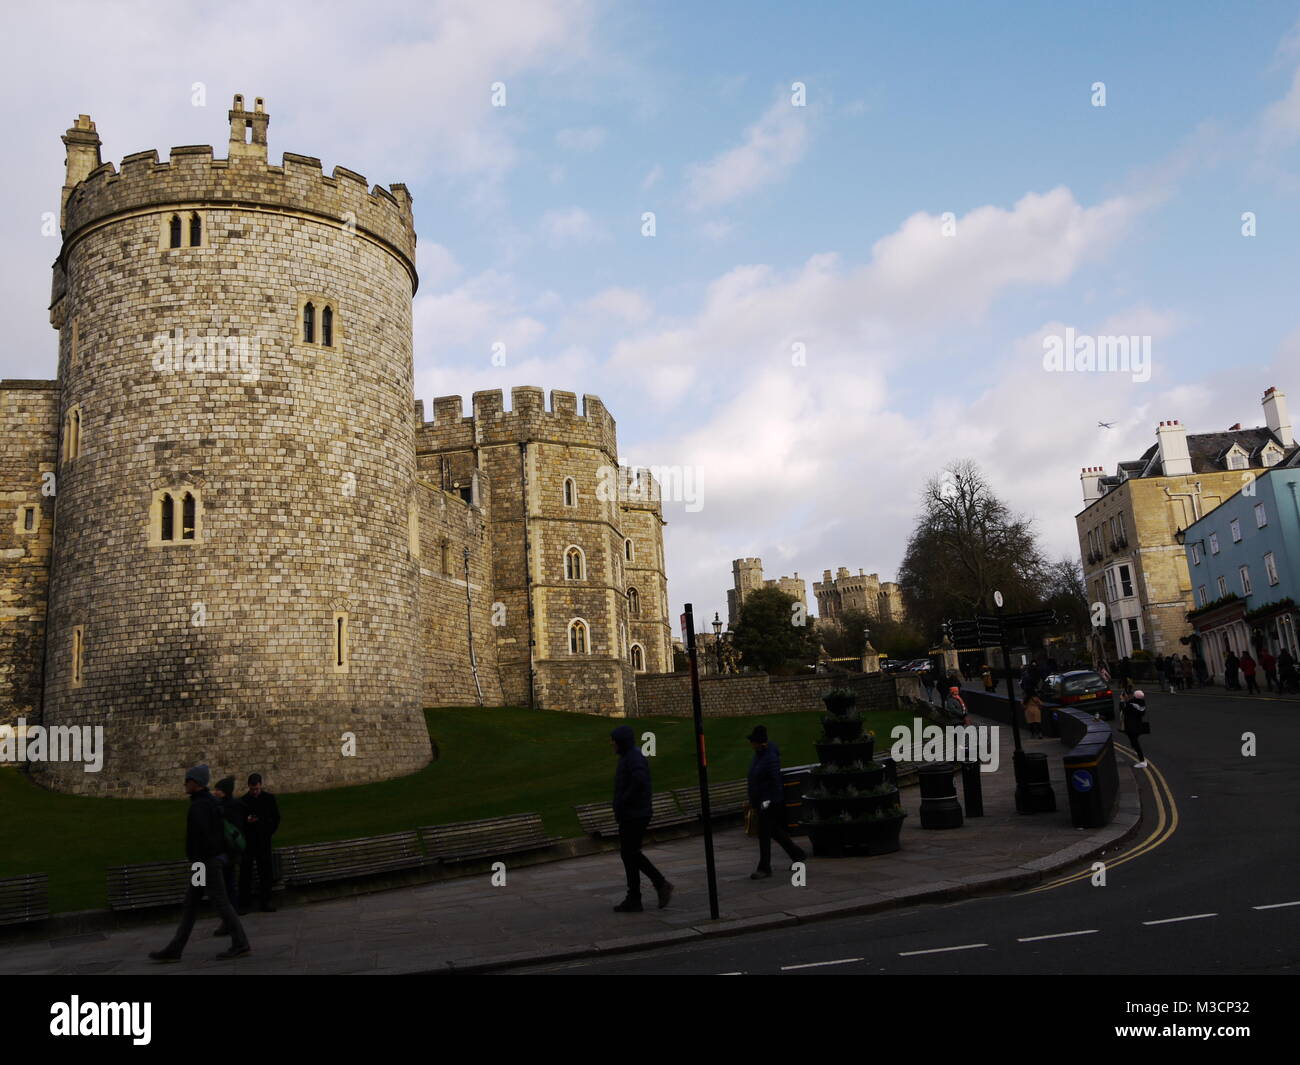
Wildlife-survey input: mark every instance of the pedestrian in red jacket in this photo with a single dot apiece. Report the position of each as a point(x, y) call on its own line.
point(1248, 672)
point(1269, 665)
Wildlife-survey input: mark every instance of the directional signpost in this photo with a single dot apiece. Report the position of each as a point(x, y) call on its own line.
point(984, 630)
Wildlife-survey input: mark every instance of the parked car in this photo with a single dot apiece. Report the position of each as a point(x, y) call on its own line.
point(1080, 688)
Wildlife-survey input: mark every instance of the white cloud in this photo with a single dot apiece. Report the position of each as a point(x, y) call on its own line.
point(652, 178)
point(571, 225)
point(586, 139)
point(771, 147)
point(624, 304)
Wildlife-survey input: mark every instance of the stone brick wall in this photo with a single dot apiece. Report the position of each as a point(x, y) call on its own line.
point(304, 474)
point(642, 523)
point(29, 417)
point(449, 525)
point(755, 694)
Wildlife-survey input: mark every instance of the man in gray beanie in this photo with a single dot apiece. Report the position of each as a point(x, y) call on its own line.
point(205, 847)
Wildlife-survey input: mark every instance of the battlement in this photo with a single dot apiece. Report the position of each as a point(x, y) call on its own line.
point(528, 419)
point(192, 176)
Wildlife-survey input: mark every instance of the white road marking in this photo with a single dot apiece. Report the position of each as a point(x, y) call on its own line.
point(1275, 906)
point(1190, 917)
point(940, 950)
point(815, 964)
point(1056, 935)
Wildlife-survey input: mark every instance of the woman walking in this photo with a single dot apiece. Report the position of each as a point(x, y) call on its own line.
point(1135, 725)
point(1034, 716)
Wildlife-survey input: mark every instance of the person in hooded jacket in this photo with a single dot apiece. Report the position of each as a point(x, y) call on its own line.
point(232, 810)
point(205, 846)
point(632, 810)
point(766, 789)
point(1135, 715)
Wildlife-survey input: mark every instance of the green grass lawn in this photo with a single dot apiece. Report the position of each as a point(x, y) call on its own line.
point(491, 762)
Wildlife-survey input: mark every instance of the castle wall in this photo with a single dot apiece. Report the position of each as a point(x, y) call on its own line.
point(29, 419)
point(448, 617)
point(222, 649)
point(757, 694)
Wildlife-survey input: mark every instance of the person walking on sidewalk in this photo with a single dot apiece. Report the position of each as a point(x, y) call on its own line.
point(766, 789)
point(633, 810)
point(232, 811)
point(1248, 668)
point(205, 845)
point(1269, 665)
point(989, 682)
point(1034, 716)
point(1286, 672)
point(261, 819)
point(1189, 673)
point(1135, 725)
point(1231, 666)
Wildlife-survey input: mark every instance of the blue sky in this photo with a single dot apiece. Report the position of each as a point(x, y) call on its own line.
point(775, 224)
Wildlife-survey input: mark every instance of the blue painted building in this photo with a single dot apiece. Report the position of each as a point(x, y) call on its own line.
point(1244, 561)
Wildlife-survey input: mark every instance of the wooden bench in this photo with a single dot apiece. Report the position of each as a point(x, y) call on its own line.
point(597, 818)
point(466, 840)
point(141, 887)
point(344, 859)
point(729, 797)
point(25, 898)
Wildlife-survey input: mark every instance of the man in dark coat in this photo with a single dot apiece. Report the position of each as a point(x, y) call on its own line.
point(261, 819)
point(632, 811)
point(232, 810)
point(1135, 715)
point(1230, 666)
point(205, 847)
point(767, 799)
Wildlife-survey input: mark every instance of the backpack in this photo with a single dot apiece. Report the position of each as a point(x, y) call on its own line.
point(232, 837)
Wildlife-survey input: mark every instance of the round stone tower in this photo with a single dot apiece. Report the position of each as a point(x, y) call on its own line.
point(232, 580)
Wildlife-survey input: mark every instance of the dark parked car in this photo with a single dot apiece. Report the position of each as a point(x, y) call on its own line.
point(1080, 688)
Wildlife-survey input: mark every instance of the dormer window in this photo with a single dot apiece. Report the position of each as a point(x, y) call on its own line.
point(1272, 456)
point(1237, 459)
point(317, 323)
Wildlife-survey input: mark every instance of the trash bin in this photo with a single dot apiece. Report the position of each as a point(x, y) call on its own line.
point(939, 805)
point(796, 780)
point(1034, 794)
point(1092, 781)
point(972, 790)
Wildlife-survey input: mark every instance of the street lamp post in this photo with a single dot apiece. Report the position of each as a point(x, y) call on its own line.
point(717, 640)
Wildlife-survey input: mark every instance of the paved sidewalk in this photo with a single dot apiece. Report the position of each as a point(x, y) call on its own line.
point(564, 909)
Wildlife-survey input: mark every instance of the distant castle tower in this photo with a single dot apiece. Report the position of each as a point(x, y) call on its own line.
point(747, 577)
point(864, 592)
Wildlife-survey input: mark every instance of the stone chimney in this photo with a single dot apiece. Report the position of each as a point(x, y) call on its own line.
point(1277, 418)
point(1091, 480)
point(1175, 459)
point(82, 144)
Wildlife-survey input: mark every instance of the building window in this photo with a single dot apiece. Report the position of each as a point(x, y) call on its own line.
point(1270, 568)
point(174, 232)
point(318, 322)
point(340, 658)
point(638, 658)
point(578, 637)
point(1125, 581)
point(182, 230)
point(633, 603)
point(628, 552)
point(1222, 586)
point(74, 342)
point(78, 651)
point(1111, 592)
point(1196, 554)
point(196, 230)
point(72, 433)
point(1235, 527)
point(1261, 517)
point(176, 517)
point(1237, 460)
point(575, 566)
point(1214, 543)
point(28, 520)
point(1134, 635)
point(1245, 580)
point(570, 492)
point(1201, 597)
point(1272, 456)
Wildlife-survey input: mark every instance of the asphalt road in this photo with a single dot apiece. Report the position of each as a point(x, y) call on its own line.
point(1209, 885)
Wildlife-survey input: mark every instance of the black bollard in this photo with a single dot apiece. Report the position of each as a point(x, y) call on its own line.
point(1034, 794)
point(971, 789)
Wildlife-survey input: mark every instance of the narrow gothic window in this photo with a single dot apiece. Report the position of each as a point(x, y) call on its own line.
point(570, 492)
point(29, 519)
point(340, 647)
point(187, 516)
point(327, 326)
point(638, 659)
point(78, 646)
point(627, 550)
point(446, 558)
point(578, 637)
point(196, 230)
point(168, 518)
point(309, 323)
point(634, 602)
point(175, 231)
point(573, 564)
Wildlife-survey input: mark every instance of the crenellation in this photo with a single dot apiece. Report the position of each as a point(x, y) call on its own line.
point(564, 403)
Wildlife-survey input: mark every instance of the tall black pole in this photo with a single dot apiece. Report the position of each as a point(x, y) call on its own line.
point(701, 758)
point(1011, 693)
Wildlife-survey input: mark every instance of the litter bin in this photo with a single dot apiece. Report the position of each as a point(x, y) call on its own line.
point(1034, 794)
point(1092, 781)
point(939, 805)
point(972, 791)
point(796, 780)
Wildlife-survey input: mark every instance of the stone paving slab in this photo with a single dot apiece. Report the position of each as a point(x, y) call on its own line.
point(564, 909)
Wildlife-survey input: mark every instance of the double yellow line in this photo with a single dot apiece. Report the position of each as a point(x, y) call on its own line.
point(1166, 825)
